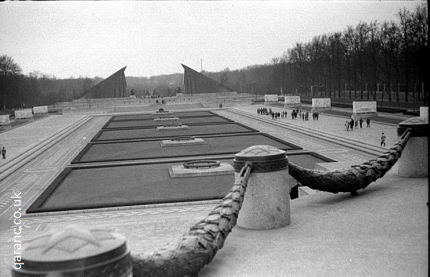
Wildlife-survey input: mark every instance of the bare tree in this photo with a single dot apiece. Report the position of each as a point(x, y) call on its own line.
point(8, 65)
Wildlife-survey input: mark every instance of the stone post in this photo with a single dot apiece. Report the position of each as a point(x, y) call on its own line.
point(75, 251)
point(414, 160)
point(424, 113)
point(267, 198)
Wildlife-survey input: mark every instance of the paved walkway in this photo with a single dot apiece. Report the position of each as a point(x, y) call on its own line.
point(380, 232)
point(20, 139)
point(336, 125)
point(326, 148)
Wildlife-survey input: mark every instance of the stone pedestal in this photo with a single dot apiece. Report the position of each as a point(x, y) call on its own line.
point(267, 198)
point(182, 141)
point(414, 160)
point(75, 251)
point(168, 121)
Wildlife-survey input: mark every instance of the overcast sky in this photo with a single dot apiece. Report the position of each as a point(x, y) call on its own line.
point(97, 38)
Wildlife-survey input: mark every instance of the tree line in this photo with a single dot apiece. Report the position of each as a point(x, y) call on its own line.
point(389, 58)
point(368, 61)
point(26, 91)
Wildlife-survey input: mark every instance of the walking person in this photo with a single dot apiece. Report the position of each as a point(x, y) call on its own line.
point(3, 152)
point(383, 137)
point(361, 122)
point(368, 122)
point(347, 125)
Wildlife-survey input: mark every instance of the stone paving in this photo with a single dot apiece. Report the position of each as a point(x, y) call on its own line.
point(22, 138)
point(380, 232)
point(323, 147)
point(336, 125)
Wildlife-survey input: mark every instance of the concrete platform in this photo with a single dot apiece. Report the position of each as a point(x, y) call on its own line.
point(22, 138)
point(381, 232)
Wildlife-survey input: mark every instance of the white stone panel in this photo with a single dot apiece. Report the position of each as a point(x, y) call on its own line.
point(321, 102)
point(424, 113)
point(4, 119)
point(364, 107)
point(40, 109)
point(270, 98)
point(25, 113)
point(291, 101)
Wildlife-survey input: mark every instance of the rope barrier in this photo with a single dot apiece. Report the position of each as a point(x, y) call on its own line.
point(198, 246)
point(352, 179)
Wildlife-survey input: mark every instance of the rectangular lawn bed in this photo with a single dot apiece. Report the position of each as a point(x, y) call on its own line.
point(97, 187)
point(138, 184)
point(152, 133)
point(132, 150)
point(155, 115)
point(151, 123)
point(307, 159)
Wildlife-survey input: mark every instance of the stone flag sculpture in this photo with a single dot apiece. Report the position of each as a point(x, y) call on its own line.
point(195, 82)
point(112, 87)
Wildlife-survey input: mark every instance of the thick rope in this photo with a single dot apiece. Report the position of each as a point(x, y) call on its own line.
point(352, 179)
point(198, 246)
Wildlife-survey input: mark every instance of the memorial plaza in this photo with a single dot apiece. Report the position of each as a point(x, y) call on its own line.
point(381, 230)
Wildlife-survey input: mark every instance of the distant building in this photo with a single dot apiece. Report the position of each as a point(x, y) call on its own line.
point(111, 87)
point(195, 82)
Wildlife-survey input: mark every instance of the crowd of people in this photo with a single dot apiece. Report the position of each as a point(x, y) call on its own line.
point(351, 124)
point(304, 115)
